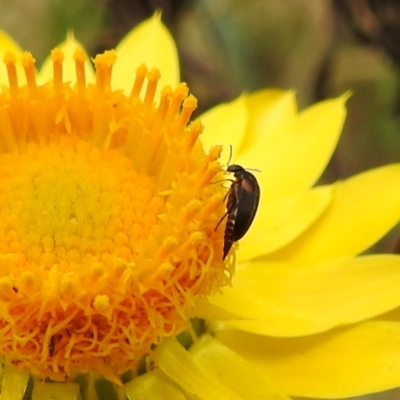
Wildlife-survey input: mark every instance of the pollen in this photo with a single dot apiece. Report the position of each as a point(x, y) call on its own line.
point(108, 210)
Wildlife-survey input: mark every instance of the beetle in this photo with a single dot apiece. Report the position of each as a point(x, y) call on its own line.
point(243, 198)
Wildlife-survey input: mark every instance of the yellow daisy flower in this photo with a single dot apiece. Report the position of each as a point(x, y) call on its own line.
point(109, 204)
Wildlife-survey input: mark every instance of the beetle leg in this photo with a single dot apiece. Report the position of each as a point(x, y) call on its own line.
point(232, 204)
point(219, 222)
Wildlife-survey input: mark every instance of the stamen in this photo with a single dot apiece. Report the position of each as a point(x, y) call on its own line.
point(28, 62)
point(80, 58)
point(104, 63)
point(67, 288)
point(211, 206)
point(215, 153)
point(9, 60)
point(101, 304)
point(153, 77)
point(57, 56)
point(28, 283)
point(6, 289)
point(196, 128)
point(141, 73)
point(168, 245)
point(162, 110)
point(178, 95)
point(189, 105)
point(212, 170)
point(191, 242)
point(193, 208)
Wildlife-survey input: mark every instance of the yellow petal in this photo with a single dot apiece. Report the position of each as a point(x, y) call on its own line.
point(225, 124)
point(68, 47)
point(14, 383)
point(279, 222)
point(58, 391)
point(7, 44)
point(149, 43)
point(233, 371)
point(211, 311)
point(292, 156)
point(290, 300)
point(269, 110)
point(343, 363)
point(393, 315)
point(153, 386)
point(362, 210)
point(181, 367)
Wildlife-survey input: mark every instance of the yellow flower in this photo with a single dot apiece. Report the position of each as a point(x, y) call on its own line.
point(109, 204)
point(108, 210)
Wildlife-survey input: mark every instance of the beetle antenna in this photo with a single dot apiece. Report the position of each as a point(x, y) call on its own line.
point(230, 156)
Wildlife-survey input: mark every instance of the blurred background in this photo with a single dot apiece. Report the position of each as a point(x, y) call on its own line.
point(319, 48)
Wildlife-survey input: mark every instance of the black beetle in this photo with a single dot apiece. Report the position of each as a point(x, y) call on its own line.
point(243, 198)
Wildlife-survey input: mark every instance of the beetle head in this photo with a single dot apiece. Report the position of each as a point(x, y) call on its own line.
point(234, 168)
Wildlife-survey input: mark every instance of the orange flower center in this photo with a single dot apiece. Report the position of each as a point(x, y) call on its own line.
point(107, 219)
